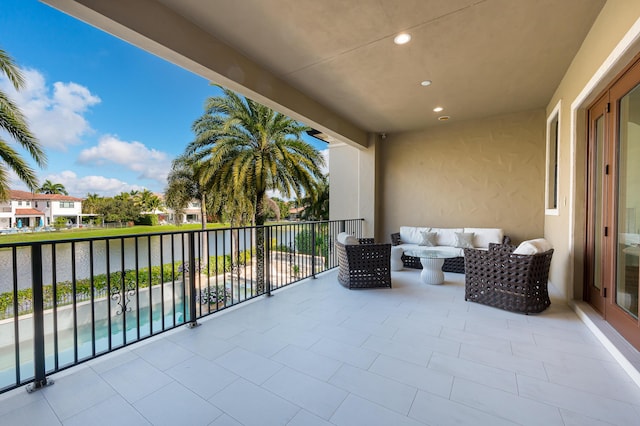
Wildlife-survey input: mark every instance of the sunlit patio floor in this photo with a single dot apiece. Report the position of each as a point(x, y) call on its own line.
point(319, 354)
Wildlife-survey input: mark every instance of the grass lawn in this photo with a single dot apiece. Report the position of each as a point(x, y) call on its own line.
point(101, 232)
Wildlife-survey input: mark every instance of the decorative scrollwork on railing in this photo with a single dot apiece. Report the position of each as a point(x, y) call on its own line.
point(122, 298)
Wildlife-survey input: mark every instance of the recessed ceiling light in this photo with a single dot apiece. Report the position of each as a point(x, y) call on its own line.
point(443, 118)
point(426, 83)
point(437, 109)
point(402, 38)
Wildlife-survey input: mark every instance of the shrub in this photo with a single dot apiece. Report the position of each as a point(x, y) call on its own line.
point(147, 220)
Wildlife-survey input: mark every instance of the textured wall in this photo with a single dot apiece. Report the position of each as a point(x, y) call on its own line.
point(484, 173)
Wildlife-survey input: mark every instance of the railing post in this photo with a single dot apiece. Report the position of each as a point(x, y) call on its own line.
point(267, 261)
point(192, 281)
point(40, 379)
point(313, 249)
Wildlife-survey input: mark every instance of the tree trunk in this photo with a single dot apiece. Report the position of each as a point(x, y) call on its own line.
point(204, 247)
point(260, 244)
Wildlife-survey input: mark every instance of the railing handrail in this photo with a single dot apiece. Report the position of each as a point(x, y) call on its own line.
point(152, 281)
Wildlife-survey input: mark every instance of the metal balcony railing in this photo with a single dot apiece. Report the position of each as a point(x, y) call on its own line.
point(65, 302)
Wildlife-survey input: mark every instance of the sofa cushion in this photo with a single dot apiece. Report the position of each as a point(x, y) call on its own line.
point(464, 239)
point(446, 236)
point(429, 239)
point(539, 245)
point(347, 239)
point(412, 234)
point(484, 236)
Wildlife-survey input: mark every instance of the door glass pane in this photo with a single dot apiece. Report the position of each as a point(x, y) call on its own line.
point(598, 175)
point(628, 250)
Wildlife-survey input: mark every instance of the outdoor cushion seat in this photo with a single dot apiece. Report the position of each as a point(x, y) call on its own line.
point(503, 279)
point(363, 264)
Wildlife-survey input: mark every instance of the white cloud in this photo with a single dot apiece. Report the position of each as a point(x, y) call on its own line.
point(56, 117)
point(135, 156)
point(80, 186)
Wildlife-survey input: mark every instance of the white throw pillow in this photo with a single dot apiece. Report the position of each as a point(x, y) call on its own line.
point(484, 236)
point(464, 239)
point(412, 234)
point(539, 245)
point(428, 239)
point(446, 236)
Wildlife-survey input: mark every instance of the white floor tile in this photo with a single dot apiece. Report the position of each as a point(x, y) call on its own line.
point(163, 353)
point(176, 405)
point(252, 367)
point(112, 411)
point(315, 396)
point(202, 376)
point(307, 362)
point(590, 405)
point(305, 418)
point(356, 411)
point(258, 343)
point(136, 379)
point(414, 375)
point(68, 396)
point(353, 355)
point(417, 354)
point(388, 393)
point(503, 361)
point(36, 413)
point(436, 411)
point(504, 404)
point(318, 354)
point(252, 405)
point(474, 371)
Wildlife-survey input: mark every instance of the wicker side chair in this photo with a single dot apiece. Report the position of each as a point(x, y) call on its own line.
point(364, 265)
point(514, 282)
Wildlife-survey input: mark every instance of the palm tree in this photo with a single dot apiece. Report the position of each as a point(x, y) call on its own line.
point(49, 187)
point(90, 203)
point(246, 149)
point(316, 204)
point(14, 124)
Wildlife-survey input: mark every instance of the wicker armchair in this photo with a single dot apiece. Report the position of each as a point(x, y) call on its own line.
point(513, 282)
point(364, 265)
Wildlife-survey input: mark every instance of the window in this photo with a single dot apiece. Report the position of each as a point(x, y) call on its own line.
point(66, 204)
point(47, 204)
point(19, 203)
point(553, 161)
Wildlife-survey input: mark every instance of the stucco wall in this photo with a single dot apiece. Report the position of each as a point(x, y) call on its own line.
point(609, 46)
point(353, 183)
point(481, 173)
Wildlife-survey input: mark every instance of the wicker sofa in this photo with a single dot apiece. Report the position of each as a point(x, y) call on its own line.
point(500, 278)
point(362, 263)
point(410, 237)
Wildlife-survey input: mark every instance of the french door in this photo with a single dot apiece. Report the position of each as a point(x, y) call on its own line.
point(613, 204)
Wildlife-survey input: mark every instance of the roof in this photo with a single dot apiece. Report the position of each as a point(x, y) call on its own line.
point(25, 195)
point(29, 212)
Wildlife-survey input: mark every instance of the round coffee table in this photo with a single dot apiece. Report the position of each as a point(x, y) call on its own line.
point(432, 261)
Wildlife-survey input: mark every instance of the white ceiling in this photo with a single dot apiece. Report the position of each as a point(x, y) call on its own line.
point(485, 57)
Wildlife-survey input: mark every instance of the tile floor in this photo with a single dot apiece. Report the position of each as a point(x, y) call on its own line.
point(318, 354)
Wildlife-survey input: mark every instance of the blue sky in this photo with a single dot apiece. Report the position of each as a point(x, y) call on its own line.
point(110, 116)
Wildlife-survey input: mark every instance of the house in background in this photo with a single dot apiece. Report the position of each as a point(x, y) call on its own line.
point(28, 210)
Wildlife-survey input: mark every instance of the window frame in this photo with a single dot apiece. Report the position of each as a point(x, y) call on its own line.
point(552, 183)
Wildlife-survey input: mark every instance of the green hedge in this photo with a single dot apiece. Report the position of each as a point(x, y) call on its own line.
point(147, 220)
